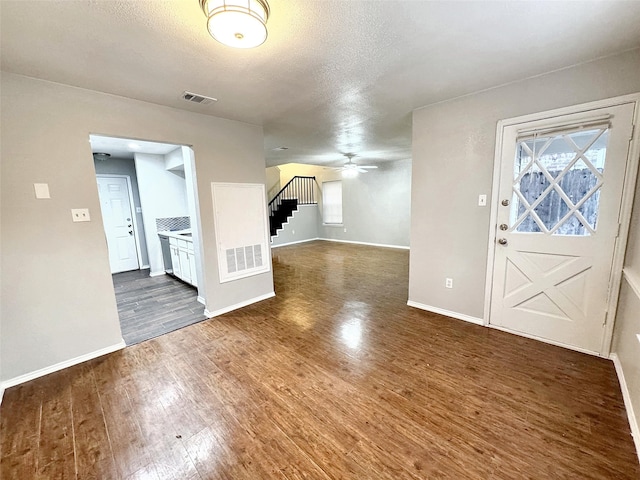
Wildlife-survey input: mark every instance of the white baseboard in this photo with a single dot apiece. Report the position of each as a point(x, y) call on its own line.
point(62, 365)
point(157, 274)
point(215, 313)
point(201, 300)
point(633, 421)
point(446, 313)
point(293, 243)
point(384, 245)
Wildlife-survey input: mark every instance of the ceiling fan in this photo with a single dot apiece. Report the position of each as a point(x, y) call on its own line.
point(351, 167)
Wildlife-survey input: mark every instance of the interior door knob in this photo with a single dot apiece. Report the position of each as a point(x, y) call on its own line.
point(505, 202)
point(130, 232)
point(502, 241)
point(503, 226)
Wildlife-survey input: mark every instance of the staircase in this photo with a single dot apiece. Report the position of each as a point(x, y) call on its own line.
point(299, 191)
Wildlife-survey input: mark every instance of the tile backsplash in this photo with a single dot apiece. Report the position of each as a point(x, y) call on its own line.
point(172, 223)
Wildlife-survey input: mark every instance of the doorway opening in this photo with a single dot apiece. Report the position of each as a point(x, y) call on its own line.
point(150, 214)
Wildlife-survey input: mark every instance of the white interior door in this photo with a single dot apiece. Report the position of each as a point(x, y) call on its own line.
point(118, 223)
point(560, 192)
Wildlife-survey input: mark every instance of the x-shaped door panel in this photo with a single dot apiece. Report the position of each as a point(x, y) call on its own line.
point(558, 291)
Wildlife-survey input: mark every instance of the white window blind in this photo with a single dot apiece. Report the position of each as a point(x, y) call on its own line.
point(332, 202)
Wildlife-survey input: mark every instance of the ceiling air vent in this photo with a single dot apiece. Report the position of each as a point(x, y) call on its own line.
point(200, 99)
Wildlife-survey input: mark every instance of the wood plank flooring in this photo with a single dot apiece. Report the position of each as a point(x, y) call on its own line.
point(334, 378)
point(152, 306)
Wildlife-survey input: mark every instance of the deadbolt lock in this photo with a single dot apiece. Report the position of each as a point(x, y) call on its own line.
point(503, 226)
point(505, 202)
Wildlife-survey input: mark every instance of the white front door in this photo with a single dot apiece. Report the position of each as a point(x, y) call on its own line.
point(560, 192)
point(118, 223)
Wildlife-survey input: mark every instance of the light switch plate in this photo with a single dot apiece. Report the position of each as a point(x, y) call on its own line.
point(482, 200)
point(42, 190)
point(80, 215)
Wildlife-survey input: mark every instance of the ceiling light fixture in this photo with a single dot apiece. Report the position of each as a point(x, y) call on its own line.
point(237, 23)
point(101, 156)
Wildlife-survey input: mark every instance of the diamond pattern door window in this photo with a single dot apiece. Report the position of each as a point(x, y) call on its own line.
point(557, 181)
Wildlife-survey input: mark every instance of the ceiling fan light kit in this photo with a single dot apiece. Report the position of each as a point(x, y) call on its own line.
point(350, 173)
point(350, 169)
point(237, 23)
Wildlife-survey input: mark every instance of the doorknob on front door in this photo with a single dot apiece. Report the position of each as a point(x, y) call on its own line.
point(502, 241)
point(505, 202)
point(130, 232)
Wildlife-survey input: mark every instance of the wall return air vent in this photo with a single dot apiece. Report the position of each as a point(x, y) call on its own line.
point(196, 98)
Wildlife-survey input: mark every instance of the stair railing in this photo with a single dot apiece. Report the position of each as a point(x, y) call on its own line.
point(299, 188)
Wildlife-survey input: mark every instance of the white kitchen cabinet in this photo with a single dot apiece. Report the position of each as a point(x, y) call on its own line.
point(192, 264)
point(183, 260)
point(185, 266)
point(175, 257)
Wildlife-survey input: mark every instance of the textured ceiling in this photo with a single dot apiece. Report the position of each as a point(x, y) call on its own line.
point(333, 76)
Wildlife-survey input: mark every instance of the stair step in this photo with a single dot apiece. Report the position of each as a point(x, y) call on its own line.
point(281, 216)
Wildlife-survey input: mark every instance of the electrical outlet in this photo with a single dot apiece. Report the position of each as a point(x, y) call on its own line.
point(293, 232)
point(482, 200)
point(345, 230)
point(80, 215)
point(448, 282)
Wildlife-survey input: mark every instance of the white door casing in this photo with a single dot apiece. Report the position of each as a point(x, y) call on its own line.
point(117, 217)
point(563, 180)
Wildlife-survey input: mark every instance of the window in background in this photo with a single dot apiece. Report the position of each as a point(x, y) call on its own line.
point(332, 202)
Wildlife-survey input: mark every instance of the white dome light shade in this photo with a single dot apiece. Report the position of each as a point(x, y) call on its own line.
point(350, 173)
point(237, 23)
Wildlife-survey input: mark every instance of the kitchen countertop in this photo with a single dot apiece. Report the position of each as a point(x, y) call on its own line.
point(177, 234)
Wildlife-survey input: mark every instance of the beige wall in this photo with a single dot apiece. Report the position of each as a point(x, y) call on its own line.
point(273, 182)
point(290, 170)
point(57, 297)
point(453, 152)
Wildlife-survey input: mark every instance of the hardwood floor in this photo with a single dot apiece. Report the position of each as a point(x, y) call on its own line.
point(152, 306)
point(334, 378)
